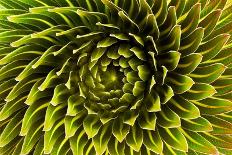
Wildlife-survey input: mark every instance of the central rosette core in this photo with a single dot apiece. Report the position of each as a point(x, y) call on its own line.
point(114, 78)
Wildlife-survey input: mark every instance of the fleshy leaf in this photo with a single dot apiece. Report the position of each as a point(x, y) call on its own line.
point(208, 74)
point(100, 141)
point(199, 91)
point(168, 118)
point(91, 125)
point(147, 120)
point(152, 141)
point(12, 129)
point(179, 83)
point(120, 130)
point(135, 138)
point(115, 147)
point(183, 108)
point(199, 124)
point(198, 143)
point(214, 105)
point(174, 138)
point(78, 142)
point(188, 63)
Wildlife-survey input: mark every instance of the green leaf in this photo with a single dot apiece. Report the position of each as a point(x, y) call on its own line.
point(165, 93)
point(220, 141)
point(224, 57)
point(199, 124)
point(33, 113)
point(135, 138)
point(179, 5)
point(127, 22)
point(63, 146)
point(152, 141)
point(220, 126)
point(208, 74)
point(33, 135)
point(112, 52)
point(199, 91)
point(84, 47)
point(170, 150)
point(174, 138)
point(10, 107)
point(32, 19)
point(12, 129)
point(137, 39)
point(9, 148)
point(130, 151)
point(152, 102)
point(39, 147)
point(179, 83)
point(210, 7)
point(214, 105)
point(188, 63)
point(144, 10)
point(61, 94)
point(124, 50)
point(75, 103)
point(6, 87)
point(169, 22)
point(172, 41)
point(190, 22)
point(97, 53)
point(120, 130)
point(147, 120)
point(151, 27)
point(132, 77)
point(22, 87)
point(159, 9)
point(170, 60)
point(183, 107)
point(52, 136)
point(53, 113)
point(109, 27)
point(25, 52)
point(100, 141)
point(198, 143)
point(50, 31)
point(12, 69)
point(139, 53)
point(9, 36)
point(28, 70)
point(191, 43)
point(91, 125)
point(35, 94)
point(78, 142)
point(144, 72)
point(129, 117)
point(212, 47)
point(120, 36)
point(106, 42)
point(134, 62)
point(18, 147)
point(47, 57)
point(139, 88)
point(168, 118)
point(223, 86)
point(210, 21)
point(115, 147)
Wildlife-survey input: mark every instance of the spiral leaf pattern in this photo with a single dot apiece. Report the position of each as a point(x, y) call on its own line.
point(117, 77)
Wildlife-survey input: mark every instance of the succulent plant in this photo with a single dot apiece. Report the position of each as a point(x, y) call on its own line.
point(118, 77)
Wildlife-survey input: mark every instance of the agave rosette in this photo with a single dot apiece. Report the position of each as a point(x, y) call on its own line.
point(115, 77)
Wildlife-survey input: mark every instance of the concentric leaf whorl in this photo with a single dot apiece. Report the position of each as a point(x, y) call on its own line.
point(118, 77)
